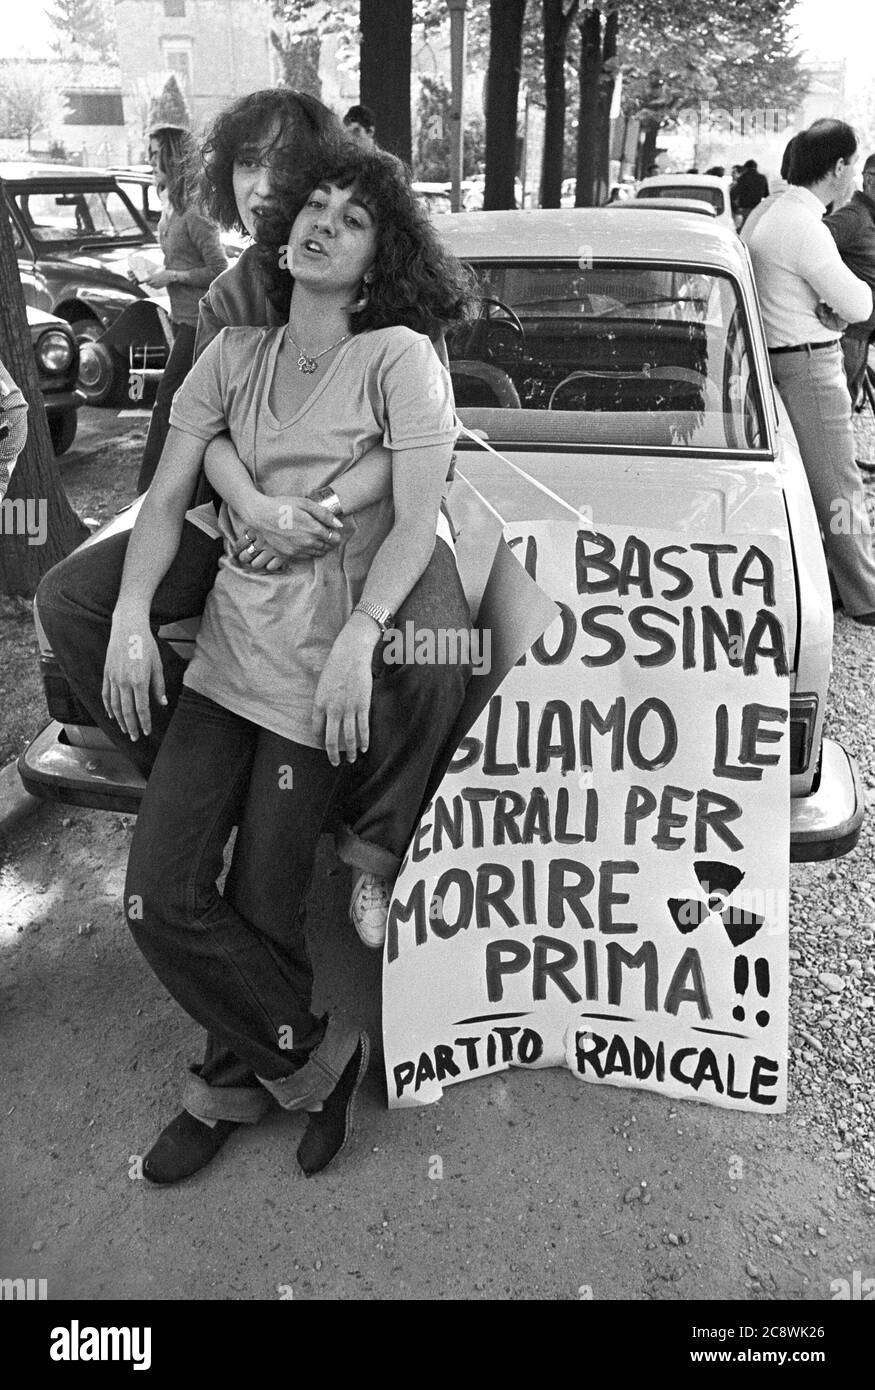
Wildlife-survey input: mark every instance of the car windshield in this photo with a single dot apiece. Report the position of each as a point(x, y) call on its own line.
point(714, 196)
point(78, 214)
point(632, 355)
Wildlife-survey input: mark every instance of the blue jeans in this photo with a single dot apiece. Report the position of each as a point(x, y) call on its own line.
point(413, 707)
point(813, 387)
point(236, 961)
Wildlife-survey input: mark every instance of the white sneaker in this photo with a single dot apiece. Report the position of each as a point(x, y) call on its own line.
point(369, 908)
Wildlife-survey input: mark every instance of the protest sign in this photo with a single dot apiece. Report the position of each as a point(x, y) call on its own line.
point(600, 880)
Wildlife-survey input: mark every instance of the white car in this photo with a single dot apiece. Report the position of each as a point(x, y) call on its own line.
point(708, 188)
point(619, 356)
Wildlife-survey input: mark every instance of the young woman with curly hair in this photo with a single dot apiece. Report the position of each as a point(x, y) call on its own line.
point(193, 257)
point(281, 681)
point(253, 156)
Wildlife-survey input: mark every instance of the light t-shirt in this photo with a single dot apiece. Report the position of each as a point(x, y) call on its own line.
point(264, 638)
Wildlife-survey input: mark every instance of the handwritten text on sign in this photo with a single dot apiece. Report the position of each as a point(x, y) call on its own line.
point(601, 879)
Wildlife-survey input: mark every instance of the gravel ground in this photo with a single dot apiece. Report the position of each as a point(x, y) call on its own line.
point(831, 947)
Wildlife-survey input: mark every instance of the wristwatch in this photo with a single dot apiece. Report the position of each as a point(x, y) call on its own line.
point(382, 616)
point(328, 498)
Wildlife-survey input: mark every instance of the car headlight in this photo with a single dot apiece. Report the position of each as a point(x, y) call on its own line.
point(54, 351)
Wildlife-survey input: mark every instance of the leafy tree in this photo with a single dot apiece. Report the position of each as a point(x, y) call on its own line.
point(678, 54)
point(300, 61)
point(30, 101)
point(170, 105)
point(85, 28)
point(35, 492)
point(431, 153)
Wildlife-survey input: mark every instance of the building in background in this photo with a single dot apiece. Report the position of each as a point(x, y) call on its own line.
point(81, 115)
point(218, 50)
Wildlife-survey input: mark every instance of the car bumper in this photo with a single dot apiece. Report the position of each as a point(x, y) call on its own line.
point(101, 778)
point(826, 824)
point(59, 402)
point(823, 825)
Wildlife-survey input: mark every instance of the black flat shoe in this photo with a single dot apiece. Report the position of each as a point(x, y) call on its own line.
point(867, 619)
point(184, 1147)
point(330, 1128)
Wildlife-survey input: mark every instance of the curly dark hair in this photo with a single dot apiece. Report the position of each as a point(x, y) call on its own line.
point(304, 123)
point(413, 282)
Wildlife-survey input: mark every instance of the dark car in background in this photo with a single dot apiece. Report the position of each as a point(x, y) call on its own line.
point(74, 230)
point(56, 354)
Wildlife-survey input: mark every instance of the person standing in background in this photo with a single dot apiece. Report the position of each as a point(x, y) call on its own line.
point(797, 268)
point(853, 230)
point(193, 257)
point(360, 124)
point(750, 188)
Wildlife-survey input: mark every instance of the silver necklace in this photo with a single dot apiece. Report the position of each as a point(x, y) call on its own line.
point(307, 361)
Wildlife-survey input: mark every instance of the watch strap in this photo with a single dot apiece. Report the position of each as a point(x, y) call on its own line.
point(328, 498)
point(382, 616)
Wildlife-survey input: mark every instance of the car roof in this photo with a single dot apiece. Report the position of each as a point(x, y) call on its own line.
point(613, 233)
point(642, 203)
point(702, 180)
point(19, 172)
point(140, 173)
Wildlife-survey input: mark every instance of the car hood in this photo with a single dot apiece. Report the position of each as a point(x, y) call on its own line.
point(107, 268)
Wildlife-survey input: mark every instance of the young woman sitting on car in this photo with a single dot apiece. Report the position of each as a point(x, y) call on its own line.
point(252, 156)
point(280, 683)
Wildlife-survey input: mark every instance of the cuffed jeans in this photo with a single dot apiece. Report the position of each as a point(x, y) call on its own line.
point(814, 389)
point(236, 961)
point(413, 707)
point(174, 374)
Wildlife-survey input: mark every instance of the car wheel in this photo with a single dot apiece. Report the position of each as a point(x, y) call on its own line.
point(102, 371)
point(62, 428)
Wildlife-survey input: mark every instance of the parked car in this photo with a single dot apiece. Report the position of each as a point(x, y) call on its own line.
point(708, 188)
point(635, 375)
point(139, 185)
point(56, 354)
point(74, 230)
point(434, 197)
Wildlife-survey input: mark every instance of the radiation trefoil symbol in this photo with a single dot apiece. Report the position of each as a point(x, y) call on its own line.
point(718, 881)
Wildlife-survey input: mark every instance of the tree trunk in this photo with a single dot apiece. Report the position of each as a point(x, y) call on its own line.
point(607, 83)
point(502, 94)
point(646, 147)
point(556, 25)
point(384, 70)
point(590, 24)
point(38, 525)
